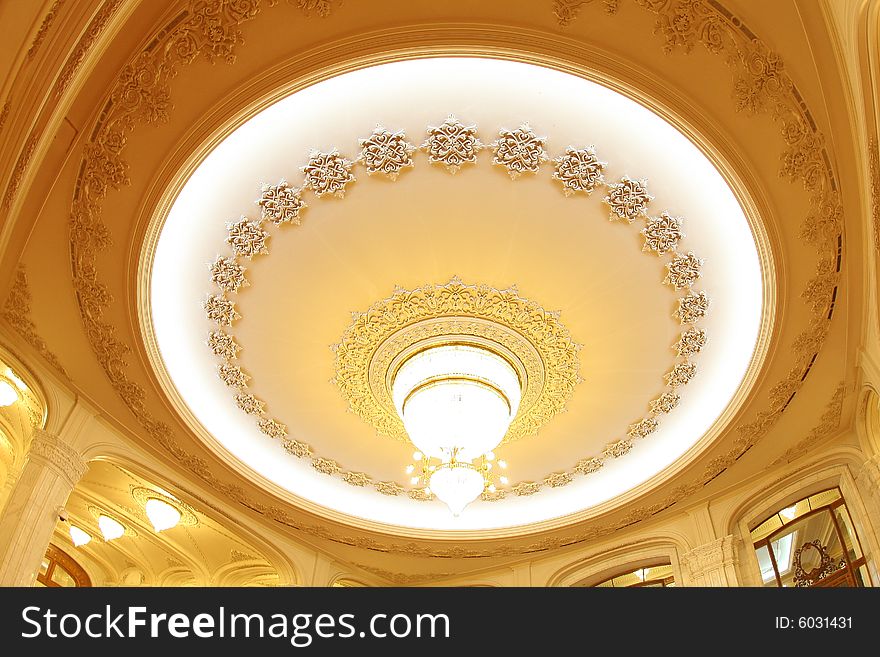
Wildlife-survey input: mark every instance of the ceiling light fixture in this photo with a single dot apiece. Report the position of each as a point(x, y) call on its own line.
point(456, 402)
point(8, 394)
point(110, 529)
point(161, 514)
point(78, 536)
point(789, 513)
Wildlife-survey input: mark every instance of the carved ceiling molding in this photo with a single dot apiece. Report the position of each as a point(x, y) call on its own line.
point(874, 173)
point(48, 19)
point(535, 337)
point(758, 76)
point(828, 424)
point(17, 311)
point(403, 579)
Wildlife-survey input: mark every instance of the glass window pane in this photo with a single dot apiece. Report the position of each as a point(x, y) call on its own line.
point(808, 550)
point(768, 575)
point(826, 497)
point(862, 578)
point(852, 546)
point(44, 566)
point(61, 577)
point(766, 528)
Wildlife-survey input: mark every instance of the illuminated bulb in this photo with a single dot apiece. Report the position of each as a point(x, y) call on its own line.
point(490, 456)
point(417, 456)
point(503, 480)
point(788, 513)
point(432, 468)
point(21, 385)
point(161, 514)
point(78, 536)
point(502, 464)
point(427, 490)
point(414, 480)
point(410, 468)
point(110, 529)
point(457, 485)
point(8, 395)
point(488, 466)
point(491, 488)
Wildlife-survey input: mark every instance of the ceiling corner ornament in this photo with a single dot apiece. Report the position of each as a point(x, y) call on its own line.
point(17, 311)
point(519, 151)
point(452, 144)
point(711, 25)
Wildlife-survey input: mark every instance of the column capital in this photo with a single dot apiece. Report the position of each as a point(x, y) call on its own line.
point(52, 451)
point(709, 564)
point(869, 473)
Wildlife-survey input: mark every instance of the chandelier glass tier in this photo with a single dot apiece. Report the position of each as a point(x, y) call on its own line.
point(456, 402)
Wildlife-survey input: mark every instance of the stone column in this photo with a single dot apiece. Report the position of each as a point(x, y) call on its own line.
point(51, 471)
point(712, 564)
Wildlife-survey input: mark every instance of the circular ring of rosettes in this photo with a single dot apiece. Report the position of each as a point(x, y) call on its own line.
point(453, 145)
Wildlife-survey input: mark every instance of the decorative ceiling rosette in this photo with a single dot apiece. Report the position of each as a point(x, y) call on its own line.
point(545, 355)
point(452, 144)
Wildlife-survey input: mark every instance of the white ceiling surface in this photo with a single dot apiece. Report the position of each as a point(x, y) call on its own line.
point(561, 252)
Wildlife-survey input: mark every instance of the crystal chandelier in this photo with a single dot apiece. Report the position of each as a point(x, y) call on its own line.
point(456, 402)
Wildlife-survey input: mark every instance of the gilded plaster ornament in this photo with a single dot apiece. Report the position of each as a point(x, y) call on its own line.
point(665, 403)
point(681, 374)
point(328, 173)
point(228, 274)
point(519, 151)
point(643, 428)
point(249, 404)
point(452, 144)
point(296, 448)
point(281, 204)
point(272, 428)
point(617, 449)
point(662, 233)
point(588, 465)
point(628, 199)
point(691, 342)
point(683, 271)
point(221, 310)
point(247, 238)
point(223, 345)
point(386, 152)
point(579, 170)
point(233, 375)
point(692, 308)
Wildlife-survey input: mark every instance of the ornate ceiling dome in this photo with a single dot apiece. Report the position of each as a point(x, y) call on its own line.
point(561, 225)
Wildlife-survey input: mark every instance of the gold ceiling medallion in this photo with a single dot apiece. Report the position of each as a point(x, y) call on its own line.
point(529, 338)
point(532, 340)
